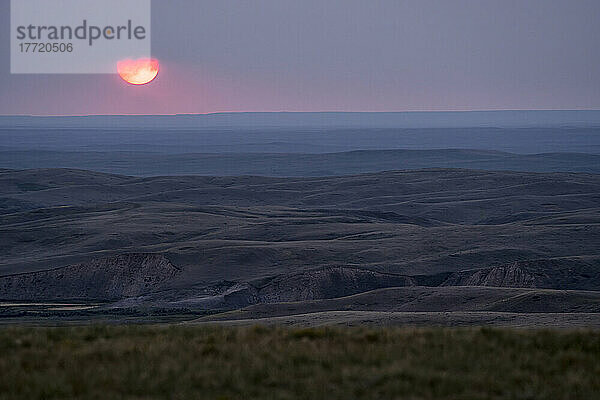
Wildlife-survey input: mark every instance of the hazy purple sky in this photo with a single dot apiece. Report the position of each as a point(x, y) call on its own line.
point(342, 55)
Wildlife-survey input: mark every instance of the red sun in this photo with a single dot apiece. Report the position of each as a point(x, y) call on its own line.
point(138, 72)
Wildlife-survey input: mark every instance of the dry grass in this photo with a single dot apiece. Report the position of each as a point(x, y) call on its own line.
point(176, 362)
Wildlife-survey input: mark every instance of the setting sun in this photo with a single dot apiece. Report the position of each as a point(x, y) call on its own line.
point(138, 72)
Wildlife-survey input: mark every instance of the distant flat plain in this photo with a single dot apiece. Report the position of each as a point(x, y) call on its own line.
point(304, 144)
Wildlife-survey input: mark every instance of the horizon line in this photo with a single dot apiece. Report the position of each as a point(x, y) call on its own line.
point(301, 112)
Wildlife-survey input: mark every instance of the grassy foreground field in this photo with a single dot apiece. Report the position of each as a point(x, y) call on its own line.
point(176, 362)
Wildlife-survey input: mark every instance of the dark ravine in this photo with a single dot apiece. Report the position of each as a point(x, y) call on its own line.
point(317, 284)
point(133, 280)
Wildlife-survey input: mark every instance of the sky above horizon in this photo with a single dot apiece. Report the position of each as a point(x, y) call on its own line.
point(339, 55)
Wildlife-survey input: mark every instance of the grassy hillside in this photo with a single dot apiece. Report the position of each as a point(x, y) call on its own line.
point(257, 363)
point(243, 228)
point(192, 244)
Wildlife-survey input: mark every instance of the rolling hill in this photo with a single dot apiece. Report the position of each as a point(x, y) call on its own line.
point(504, 242)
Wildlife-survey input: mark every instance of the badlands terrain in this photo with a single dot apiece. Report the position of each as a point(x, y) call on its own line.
point(433, 246)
